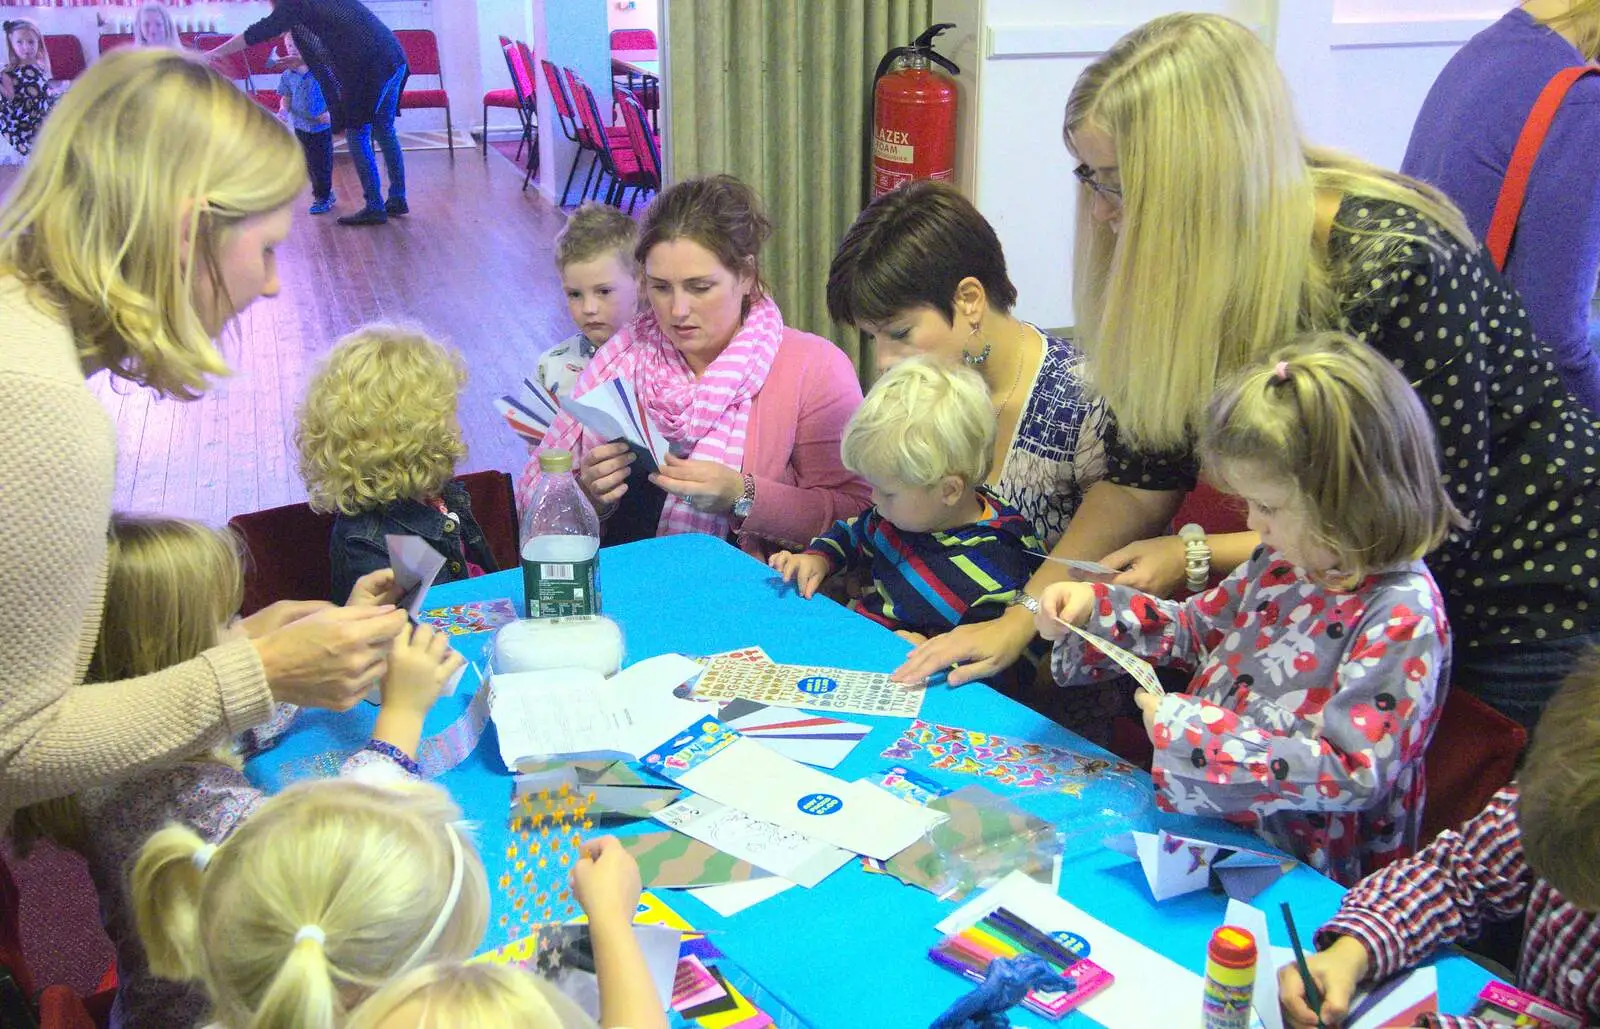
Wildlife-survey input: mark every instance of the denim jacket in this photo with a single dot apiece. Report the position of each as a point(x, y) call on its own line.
point(357, 545)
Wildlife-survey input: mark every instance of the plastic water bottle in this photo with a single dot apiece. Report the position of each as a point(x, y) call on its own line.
point(560, 544)
point(1230, 979)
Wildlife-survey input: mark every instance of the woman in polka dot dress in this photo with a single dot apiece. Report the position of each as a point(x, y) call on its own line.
point(1197, 204)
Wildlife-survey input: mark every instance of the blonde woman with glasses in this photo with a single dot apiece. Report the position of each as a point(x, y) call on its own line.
point(147, 219)
point(1208, 235)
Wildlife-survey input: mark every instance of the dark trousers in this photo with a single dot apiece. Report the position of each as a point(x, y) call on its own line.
point(379, 126)
point(318, 147)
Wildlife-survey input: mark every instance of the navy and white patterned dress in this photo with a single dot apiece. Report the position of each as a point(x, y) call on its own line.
point(1059, 449)
point(31, 100)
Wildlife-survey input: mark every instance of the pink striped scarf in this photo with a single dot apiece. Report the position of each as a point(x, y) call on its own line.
point(706, 416)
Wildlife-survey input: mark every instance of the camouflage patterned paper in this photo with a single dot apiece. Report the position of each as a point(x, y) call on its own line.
point(669, 860)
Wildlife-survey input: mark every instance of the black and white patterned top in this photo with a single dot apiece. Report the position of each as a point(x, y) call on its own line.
point(1518, 454)
point(1059, 449)
point(24, 113)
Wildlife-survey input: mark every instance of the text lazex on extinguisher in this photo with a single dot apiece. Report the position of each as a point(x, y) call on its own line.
point(913, 115)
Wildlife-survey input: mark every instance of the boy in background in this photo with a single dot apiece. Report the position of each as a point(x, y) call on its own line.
point(600, 278)
point(1529, 854)
point(301, 99)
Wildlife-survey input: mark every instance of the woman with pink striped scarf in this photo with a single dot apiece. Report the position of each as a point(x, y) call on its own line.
point(754, 409)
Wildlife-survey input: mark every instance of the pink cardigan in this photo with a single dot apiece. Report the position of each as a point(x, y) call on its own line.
point(791, 446)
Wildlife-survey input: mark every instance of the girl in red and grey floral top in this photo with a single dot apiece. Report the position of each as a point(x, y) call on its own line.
point(1320, 664)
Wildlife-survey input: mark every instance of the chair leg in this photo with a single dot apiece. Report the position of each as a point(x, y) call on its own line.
point(449, 133)
point(576, 157)
point(485, 130)
point(533, 164)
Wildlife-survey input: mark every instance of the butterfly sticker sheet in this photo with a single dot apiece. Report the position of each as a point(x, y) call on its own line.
point(1019, 763)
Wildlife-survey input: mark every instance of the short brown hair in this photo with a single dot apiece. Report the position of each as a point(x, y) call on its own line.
point(718, 212)
point(1559, 807)
point(594, 230)
point(911, 248)
point(1333, 417)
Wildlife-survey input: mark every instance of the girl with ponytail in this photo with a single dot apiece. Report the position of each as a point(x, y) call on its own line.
point(1321, 663)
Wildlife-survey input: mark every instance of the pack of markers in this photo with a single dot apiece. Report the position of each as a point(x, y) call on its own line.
point(1002, 934)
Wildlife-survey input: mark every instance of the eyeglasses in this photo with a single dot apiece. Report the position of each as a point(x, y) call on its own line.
point(1085, 175)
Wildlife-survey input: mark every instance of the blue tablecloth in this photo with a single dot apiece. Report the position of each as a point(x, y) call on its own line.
point(852, 951)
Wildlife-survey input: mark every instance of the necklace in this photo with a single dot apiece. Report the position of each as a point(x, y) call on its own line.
point(1016, 380)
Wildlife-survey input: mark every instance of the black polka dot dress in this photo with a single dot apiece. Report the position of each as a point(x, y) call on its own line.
point(21, 116)
point(1518, 454)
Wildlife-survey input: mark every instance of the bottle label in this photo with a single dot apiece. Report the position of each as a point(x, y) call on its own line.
point(559, 588)
point(1227, 999)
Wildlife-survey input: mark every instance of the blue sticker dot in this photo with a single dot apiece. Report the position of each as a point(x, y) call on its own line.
point(816, 685)
point(1075, 945)
point(819, 804)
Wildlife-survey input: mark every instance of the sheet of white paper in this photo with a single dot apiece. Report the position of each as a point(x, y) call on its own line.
point(817, 753)
point(1150, 988)
point(856, 816)
point(416, 565)
point(600, 411)
point(575, 711)
point(769, 847)
point(732, 898)
point(1131, 663)
point(1254, 921)
point(1417, 987)
point(660, 945)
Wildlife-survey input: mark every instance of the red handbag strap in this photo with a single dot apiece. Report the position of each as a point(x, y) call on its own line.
point(1514, 190)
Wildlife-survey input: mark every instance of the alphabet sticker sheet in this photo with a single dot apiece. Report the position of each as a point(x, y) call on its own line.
point(813, 687)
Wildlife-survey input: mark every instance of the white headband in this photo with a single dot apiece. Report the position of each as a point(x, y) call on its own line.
point(310, 932)
point(203, 855)
point(457, 872)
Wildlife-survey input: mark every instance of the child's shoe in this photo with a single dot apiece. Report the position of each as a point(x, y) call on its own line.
point(324, 205)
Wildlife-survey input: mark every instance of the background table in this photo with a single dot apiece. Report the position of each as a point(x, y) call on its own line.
point(851, 951)
point(637, 62)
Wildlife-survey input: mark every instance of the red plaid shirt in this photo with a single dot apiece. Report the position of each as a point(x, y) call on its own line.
point(1459, 882)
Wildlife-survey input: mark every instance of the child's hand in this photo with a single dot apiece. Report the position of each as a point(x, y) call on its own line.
point(606, 880)
point(421, 662)
point(806, 571)
point(374, 589)
point(1148, 702)
point(1070, 602)
point(603, 474)
point(1337, 971)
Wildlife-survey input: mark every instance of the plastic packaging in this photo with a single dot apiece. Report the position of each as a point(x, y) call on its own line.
point(560, 544)
point(986, 838)
point(577, 641)
point(1230, 979)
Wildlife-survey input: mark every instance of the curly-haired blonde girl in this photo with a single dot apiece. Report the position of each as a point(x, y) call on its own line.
point(379, 442)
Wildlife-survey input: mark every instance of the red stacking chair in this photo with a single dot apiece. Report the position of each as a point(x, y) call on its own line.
point(258, 62)
point(232, 66)
point(613, 151)
point(66, 57)
point(513, 99)
point(567, 117)
point(520, 59)
point(647, 90)
point(57, 1006)
point(494, 506)
point(1473, 753)
point(633, 39)
point(643, 142)
point(111, 40)
point(422, 54)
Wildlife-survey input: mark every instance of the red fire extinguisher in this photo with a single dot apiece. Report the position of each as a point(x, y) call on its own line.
point(913, 115)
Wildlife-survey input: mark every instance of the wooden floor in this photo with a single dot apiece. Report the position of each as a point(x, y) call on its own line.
point(472, 265)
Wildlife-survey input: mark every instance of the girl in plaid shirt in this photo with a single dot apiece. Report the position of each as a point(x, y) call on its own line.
point(1529, 854)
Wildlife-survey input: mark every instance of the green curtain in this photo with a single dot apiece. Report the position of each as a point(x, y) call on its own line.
point(778, 93)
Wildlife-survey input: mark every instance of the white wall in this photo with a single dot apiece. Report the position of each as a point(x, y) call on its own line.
point(1359, 70)
point(633, 14)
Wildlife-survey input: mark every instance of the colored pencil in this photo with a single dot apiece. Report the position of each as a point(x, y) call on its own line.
point(1313, 995)
point(1046, 946)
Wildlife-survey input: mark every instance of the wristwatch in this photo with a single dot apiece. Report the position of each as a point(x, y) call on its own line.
point(1196, 556)
point(1026, 600)
point(747, 501)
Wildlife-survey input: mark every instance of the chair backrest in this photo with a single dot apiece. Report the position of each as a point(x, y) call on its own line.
point(640, 137)
point(66, 56)
point(590, 129)
point(558, 97)
point(422, 50)
point(1473, 753)
point(111, 40)
point(633, 39)
point(521, 73)
point(494, 507)
point(288, 555)
point(257, 58)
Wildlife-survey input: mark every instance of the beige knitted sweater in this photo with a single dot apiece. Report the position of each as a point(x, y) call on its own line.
point(57, 472)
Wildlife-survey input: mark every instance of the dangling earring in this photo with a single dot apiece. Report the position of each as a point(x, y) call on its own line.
point(976, 360)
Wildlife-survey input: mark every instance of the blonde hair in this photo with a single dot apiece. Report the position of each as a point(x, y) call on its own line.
point(139, 36)
point(1581, 24)
point(1559, 804)
point(923, 420)
point(481, 995)
point(138, 176)
point(595, 230)
point(171, 584)
point(379, 420)
point(328, 891)
point(1216, 260)
point(42, 61)
point(1333, 418)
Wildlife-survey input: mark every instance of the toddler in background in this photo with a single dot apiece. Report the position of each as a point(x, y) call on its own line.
point(379, 442)
point(488, 996)
point(943, 549)
point(172, 588)
point(300, 98)
point(1319, 666)
point(152, 26)
point(1529, 856)
point(25, 97)
point(594, 254)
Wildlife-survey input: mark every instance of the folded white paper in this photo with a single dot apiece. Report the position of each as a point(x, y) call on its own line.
point(771, 848)
point(731, 898)
point(416, 564)
point(576, 712)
